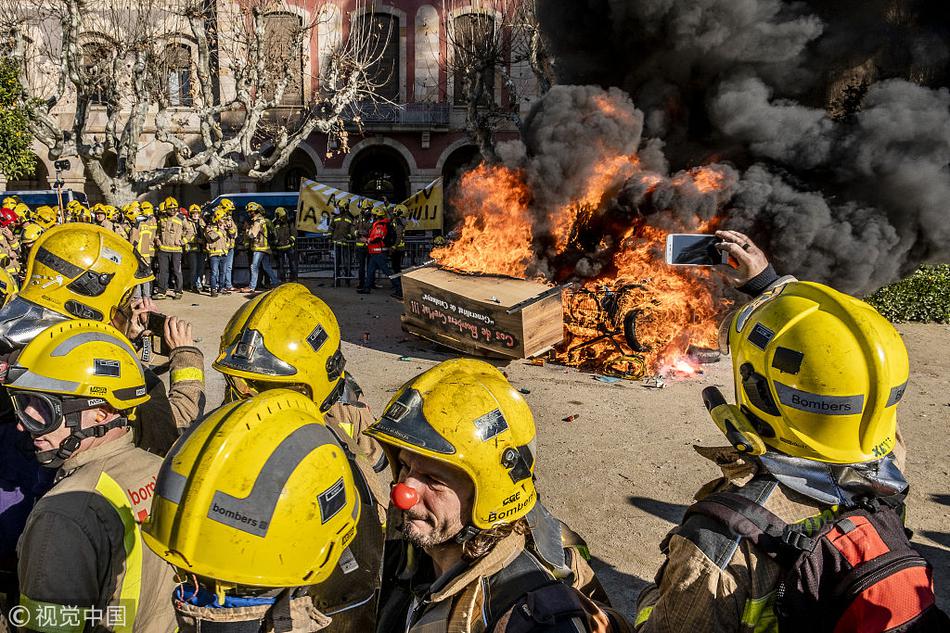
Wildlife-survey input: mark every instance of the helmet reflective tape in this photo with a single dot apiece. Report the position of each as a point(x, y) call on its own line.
point(405, 420)
point(83, 338)
point(170, 484)
point(22, 378)
point(57, 263)
point(819, 403)
point(897, 394)
point(252, 514)
point(251, 355)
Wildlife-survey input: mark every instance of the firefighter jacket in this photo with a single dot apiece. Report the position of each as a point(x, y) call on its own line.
point(258, 236)
point(712, 581)
point(142, 237)
point(171, 234)
point(361, 229)
point(118, 228)
point(399, 225)
point(380, 237)
point(484, 595)
point(82, 558)
point(341, 228)
point(166, 414)
point(217, 240)
point(9, 251)
point(284, 236)
point(232, 231)
point(193, 235)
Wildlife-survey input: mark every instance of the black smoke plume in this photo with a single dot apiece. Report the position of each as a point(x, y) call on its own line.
point(829, 122)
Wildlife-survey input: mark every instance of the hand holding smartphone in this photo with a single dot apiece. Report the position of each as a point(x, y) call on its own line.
point(686, 249)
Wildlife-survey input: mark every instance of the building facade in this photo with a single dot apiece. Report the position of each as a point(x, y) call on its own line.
point(415, 136)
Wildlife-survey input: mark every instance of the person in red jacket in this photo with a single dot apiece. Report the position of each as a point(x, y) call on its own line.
point(381, 239)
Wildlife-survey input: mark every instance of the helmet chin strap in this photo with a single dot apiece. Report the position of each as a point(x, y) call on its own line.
point(56, 457)
point(466, 534)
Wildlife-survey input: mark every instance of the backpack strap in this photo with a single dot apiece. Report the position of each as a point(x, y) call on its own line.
point(709, 534)
point(752, 521)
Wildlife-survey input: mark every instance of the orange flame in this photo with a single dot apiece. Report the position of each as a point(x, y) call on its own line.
point(641, 315)
point(495, 237)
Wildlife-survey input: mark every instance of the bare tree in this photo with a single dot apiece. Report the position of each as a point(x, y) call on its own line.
point(224, 84)
point(485, 40)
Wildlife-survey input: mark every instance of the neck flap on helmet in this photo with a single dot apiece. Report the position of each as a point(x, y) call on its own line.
point(835, 484)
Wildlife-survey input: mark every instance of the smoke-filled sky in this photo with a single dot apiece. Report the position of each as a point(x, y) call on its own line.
point(829, 121)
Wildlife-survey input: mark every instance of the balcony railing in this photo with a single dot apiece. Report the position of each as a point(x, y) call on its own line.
point(412, 115)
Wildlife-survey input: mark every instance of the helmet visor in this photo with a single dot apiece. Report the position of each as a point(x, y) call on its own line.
point(249, 354)
point(246, 388)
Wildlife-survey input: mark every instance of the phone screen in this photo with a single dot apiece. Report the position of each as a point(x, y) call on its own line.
point(156, 323)
point(694, 250)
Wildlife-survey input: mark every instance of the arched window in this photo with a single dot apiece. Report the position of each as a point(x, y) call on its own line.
point(283, 35)
point(96, 67)
point(178, 69)
point(380, 33)
point(475, 50)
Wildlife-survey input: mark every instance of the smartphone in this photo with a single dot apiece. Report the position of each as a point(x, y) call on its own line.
point(687, 249)
point(156, 325)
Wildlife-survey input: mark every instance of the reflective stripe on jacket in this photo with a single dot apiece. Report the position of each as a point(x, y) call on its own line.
point(171, 234)
point(81, 553)
point(258, 236)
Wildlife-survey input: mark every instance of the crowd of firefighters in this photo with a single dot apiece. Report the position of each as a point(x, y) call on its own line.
point(371, 239)
point(291, 507)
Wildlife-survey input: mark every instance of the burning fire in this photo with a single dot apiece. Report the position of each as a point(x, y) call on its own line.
point(495, 237)
point(632, 316)
point(643, 317)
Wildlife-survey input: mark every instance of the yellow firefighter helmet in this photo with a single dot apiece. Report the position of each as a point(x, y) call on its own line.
point(818, 374)
point(45, 216)
point(286, 337)
point(465, 413)
point(260, 494)
point(81, 359)
point(84, 271)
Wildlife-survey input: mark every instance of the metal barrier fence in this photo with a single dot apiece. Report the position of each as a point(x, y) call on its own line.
point(318, 255)
point(314, 254)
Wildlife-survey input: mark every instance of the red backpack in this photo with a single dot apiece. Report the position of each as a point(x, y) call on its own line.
point(858, 574)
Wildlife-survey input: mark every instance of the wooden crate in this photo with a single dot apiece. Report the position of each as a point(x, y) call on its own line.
point(482, 315)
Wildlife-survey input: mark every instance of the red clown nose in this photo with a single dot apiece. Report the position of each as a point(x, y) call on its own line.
point(404, 497)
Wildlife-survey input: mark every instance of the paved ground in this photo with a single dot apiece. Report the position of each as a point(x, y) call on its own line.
point(623, 472)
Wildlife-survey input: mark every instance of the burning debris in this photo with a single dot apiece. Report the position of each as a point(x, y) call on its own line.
point(603, 227)
point(837, 163)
